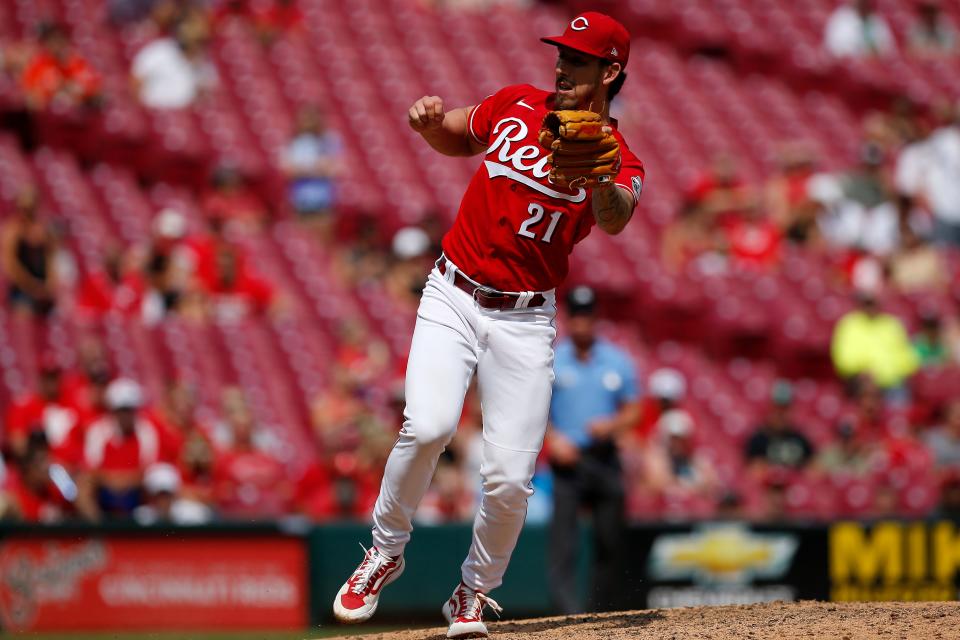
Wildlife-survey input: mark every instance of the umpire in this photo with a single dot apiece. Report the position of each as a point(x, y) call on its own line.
point(595, 398)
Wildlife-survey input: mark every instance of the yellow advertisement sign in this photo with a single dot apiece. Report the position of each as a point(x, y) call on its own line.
point(894, 561)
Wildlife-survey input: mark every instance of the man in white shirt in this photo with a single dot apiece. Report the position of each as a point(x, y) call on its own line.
point(856, 30)
point(943, 182)
point(171, 72)
point(928, 172)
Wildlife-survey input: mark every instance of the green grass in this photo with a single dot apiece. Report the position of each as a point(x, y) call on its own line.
point(325, 631)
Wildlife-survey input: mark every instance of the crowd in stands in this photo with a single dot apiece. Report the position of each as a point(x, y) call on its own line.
point(857, 29)
point(90, 443)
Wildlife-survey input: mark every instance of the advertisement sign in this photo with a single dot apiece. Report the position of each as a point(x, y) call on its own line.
point(894, 561)
point(724, 563)
point(152, 583)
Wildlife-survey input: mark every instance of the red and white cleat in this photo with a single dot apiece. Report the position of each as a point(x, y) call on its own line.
point(464, 612)
point(357, 599)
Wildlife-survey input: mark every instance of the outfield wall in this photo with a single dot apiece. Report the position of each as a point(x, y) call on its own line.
point(284, 576)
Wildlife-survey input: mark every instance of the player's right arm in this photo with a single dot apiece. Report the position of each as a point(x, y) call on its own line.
point(447, 132)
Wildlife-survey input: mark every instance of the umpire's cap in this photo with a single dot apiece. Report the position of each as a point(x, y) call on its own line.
point(581, 301)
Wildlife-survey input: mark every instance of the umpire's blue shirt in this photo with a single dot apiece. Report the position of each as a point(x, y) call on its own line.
point(584, 391)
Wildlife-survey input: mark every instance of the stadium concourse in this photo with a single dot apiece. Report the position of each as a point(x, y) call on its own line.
point(238, 260)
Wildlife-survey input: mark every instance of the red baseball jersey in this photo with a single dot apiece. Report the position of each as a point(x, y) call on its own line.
point(515, 229)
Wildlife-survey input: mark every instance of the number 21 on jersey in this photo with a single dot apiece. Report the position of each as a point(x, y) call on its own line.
point(536, 215)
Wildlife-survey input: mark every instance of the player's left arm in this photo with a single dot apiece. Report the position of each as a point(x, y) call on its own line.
point(612, 207)
point(614, 201)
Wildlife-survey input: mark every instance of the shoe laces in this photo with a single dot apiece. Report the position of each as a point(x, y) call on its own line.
point(373, 563)
point(472, 603)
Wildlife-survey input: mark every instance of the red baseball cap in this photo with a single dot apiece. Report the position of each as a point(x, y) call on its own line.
point(595, 34)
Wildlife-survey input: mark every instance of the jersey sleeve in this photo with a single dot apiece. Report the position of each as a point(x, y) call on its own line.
point(632, 174)
point(483, 116)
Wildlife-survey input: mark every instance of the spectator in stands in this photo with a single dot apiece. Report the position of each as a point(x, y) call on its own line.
point(173, 71)
point(448, 499)
point(118, 448)
point(595, 401)
point(362, 355)
point(58, 75)
point(943, 441)
point(753, 241)
point(311, 162)
point(184, 441)
point(674, 467)
point(249, 482)
point(930, 342)
point(362, 255)
point(666, 389)
point(932, 33)
point(28, 252)
point(277, 18)
point(335, 409)
point(50, 411)
point(690, 239)
point(85, 385)
point(236, 291)
point(942, 180)
point(721, 193)
point(342, 486)
point(117, 286)
point(788, 197)
point(37, 489)
point(412, 257)
point(852, 454)
point(169, 265)
point(164, 503)
point(871, 415)
point(868, 342)
point(855, 29)
point(231, 200)
point(778, 445)
point(868, 218)
point(916, 266)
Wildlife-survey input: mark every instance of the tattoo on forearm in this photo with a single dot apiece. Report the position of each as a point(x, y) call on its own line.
point(608, 207)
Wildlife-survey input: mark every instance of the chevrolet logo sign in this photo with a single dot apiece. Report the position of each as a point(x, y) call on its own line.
point(724, 553)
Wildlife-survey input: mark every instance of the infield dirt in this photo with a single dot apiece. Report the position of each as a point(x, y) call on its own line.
point(778, 620)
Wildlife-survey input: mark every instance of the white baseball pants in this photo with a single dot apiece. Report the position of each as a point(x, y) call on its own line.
point(512, 353)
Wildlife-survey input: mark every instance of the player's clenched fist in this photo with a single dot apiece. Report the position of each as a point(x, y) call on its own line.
point(426, 113)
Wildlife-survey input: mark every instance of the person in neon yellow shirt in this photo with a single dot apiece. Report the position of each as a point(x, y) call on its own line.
point(869, 342)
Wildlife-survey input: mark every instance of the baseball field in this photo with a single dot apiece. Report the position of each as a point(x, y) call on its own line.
point(778, 620)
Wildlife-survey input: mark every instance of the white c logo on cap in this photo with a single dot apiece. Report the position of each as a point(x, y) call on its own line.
point(573, 25)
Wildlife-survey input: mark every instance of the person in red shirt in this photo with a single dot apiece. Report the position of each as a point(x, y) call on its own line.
point(118, 447)
point(50, 410)
point(117, 286)
point(232, 200)
point(666, 389)
point(249, 482)
point(753, 240)
point(186, 441)
point(489, 308)
point(58, 74)
point(720, 193)
point(277, 18)
point(30, 486)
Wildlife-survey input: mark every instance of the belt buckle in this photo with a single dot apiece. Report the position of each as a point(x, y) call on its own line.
point(486, 293)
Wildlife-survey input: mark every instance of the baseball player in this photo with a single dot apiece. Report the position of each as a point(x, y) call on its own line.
point(554, 165)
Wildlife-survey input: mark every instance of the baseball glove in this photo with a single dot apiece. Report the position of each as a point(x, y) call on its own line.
point(582, 151)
